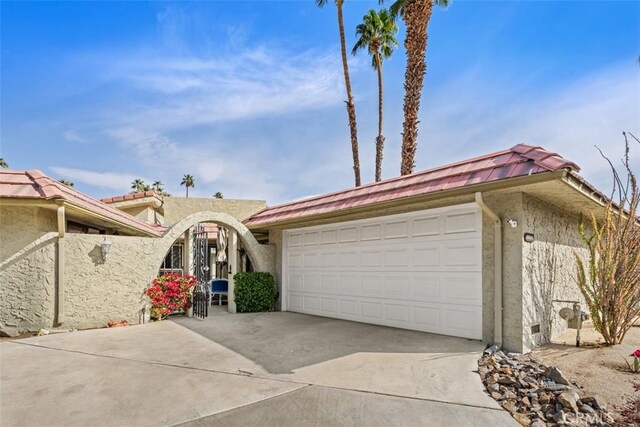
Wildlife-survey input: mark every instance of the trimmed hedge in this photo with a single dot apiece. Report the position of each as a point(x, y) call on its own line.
point(255, 292)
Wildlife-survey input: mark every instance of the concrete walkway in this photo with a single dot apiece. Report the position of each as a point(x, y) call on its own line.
point(250, 369)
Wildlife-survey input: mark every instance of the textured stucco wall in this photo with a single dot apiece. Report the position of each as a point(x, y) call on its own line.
point(506, 206)
point(27, 267)
point(549, 268)
point(178, 208)
point(96, 291)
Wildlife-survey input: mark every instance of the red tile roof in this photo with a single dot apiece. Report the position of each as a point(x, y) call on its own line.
point(131, 196)
point(33, 184)
point(520, 160)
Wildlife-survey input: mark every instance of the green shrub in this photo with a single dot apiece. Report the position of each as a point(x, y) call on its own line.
point(255, 292)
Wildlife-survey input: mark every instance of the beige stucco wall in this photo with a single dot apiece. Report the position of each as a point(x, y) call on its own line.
point(96, 291)
point(506, 206)
point(177, 208)
point(549, 268)
point(27, 267)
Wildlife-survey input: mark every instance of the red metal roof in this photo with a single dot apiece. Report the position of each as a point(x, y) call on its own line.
point(33, 184)
point(520, 160)
point(131, 196)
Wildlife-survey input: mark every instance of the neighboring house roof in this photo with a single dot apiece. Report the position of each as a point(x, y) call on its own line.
point(131, 196)
point(33, 184)
point(518, 161)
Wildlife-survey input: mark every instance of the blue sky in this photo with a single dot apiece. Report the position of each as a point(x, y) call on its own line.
point(247, 96)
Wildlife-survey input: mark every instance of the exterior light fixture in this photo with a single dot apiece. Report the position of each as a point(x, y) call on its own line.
point(105, 246)
point(512, 222)
point(529, 237)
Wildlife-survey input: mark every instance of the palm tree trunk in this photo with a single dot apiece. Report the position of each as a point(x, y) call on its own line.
point(351, 109)
point(187, 187)
point(380, 138)
point(417, 14)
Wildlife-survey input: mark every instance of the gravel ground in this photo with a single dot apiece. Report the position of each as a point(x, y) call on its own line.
point(594, 367)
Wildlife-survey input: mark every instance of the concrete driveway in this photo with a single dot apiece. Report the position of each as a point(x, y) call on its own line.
point(241, 370)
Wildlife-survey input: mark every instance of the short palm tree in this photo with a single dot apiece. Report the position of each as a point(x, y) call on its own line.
point(351, 108)
point(66, 182)
point(416, 15)
point(157, 186)
point(218, 195)
point(3, 163)
point(188, 181)
point(377, 34)
point(138, 185)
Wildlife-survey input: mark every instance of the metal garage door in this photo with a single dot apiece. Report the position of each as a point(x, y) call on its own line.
point(419, 270)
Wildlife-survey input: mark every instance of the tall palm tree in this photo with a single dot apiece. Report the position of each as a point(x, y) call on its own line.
point(351, 108)
point(138, 185)
point(416, 15)
point(377, 34)
point(188, 181)
point(3, 163)
point(66, 182)
point(157, 187)
point(218, 195)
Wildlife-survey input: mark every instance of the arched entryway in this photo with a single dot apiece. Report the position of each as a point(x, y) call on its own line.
point(238, 236)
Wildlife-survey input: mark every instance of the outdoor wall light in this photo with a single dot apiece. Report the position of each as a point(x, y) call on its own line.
point(529, 237)
point(512, 222)
point(105, 246)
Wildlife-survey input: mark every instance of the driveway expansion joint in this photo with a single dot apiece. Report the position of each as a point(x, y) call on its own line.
point(246, 374)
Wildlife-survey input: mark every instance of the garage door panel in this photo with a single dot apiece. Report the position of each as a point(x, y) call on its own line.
point(461, 222)
point(426, 226)
point(371, 232)
point(329, 305)
point(396, 230)
point(396, 257)
point(417, 271)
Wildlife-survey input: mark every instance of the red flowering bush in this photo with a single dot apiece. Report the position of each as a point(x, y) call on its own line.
point(630, 412)
point(170, 293)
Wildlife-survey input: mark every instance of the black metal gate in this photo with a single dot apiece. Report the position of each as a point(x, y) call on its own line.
point(200, 271)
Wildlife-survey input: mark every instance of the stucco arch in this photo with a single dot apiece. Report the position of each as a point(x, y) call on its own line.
point(262, 256)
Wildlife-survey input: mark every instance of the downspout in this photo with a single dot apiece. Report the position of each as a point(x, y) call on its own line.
point(497, 271)
point(62, 226)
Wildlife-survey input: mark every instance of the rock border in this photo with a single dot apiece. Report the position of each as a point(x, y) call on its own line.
point(537, 395)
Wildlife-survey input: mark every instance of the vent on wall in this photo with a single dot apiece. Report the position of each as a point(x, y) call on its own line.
point(535, 329)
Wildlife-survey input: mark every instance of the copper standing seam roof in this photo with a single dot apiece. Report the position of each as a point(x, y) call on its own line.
point(33, 184)
point(520, 160)
point(131, 196)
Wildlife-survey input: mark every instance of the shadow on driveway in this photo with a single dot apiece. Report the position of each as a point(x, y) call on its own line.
point(282, 341)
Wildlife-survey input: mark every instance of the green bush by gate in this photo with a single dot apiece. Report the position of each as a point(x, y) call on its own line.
point(255, 292)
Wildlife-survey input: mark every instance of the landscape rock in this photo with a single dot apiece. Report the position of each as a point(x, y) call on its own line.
point(522, 419)
point(538, 423)
point(556, 376)
point(588, 409)
point(595, 401)
point(8, 332)
point(537, 395)
point(569, 399)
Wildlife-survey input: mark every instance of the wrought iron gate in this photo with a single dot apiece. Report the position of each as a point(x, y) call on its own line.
point(200, 271)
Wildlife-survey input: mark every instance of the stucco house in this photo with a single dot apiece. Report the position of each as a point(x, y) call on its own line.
point(482, 249)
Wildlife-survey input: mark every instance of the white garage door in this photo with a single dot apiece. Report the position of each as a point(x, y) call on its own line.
point(420, 270)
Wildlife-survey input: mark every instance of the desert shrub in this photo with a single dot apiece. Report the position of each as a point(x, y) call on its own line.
point(609, 277)
point(255, 292)
point(170, 293)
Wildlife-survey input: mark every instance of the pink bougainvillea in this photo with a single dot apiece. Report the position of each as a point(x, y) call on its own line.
point(170, 293)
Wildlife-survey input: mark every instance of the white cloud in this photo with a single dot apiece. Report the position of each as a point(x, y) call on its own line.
point(109, 180)
point(476, 114)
